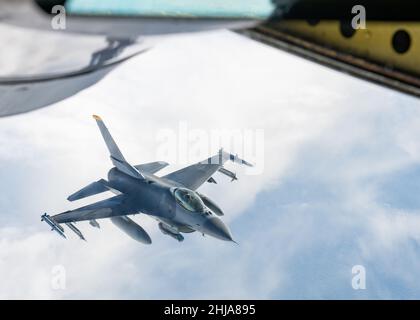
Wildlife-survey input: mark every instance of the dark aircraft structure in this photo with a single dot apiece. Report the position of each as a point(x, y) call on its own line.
point(386, 51)
point(172, 200)
point(41, 76)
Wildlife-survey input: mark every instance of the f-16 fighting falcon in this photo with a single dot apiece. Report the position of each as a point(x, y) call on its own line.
point(172, 199)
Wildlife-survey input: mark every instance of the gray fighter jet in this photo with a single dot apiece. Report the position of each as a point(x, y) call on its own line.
point(172, 199)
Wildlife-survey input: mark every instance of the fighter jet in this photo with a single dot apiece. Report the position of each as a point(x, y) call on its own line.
point(172, 199)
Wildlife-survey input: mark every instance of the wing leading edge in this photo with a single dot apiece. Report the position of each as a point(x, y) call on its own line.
point(112, 207)
point(195, 175)
point(115, 208)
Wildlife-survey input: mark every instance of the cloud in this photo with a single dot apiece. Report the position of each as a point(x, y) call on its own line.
point(332, 145)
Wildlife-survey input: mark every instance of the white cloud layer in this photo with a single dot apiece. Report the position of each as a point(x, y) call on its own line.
point(334, 148)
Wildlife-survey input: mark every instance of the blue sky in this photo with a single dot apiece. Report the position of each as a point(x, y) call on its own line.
point(341, 161)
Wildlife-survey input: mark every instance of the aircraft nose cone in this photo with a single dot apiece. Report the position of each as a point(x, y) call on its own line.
point(216, 228)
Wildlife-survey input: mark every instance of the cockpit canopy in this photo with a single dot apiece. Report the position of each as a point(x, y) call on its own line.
point(189, 200)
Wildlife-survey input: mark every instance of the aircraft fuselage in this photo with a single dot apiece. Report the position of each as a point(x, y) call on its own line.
point(155, 197)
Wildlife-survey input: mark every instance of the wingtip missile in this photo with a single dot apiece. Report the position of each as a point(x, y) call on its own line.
point(234, 158)
point(246, 163)
point(54, 225)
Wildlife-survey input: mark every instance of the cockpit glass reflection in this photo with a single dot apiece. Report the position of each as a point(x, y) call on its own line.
point(189, 200)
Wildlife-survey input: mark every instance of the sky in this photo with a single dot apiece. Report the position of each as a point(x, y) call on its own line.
point(337, 188)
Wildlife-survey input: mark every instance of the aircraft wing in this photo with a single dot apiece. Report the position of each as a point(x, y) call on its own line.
point(57, 66)
point(151, 167)
point(385, 52)
point(195, 175)
point(116, 206)
point(382, 48)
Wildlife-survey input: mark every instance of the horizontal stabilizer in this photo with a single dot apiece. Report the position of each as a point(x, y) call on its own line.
point(90, 190)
